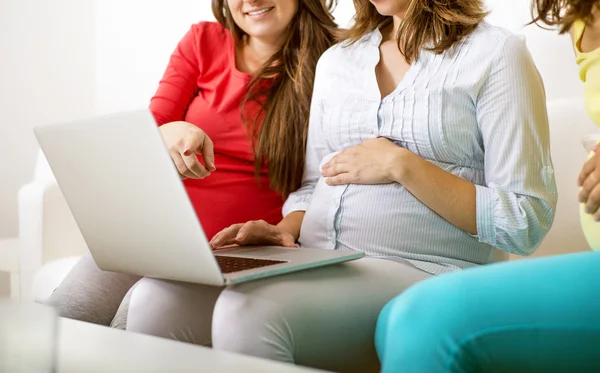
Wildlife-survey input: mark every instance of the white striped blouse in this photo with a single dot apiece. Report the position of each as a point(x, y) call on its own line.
point(477, 111)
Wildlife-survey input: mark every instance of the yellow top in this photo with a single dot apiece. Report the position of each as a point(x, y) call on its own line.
point(589, 64)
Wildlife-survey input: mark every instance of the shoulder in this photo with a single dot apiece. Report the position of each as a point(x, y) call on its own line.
point(345, 52)
point(490, 49)
point(211, 29)
point(209, 34)
point(493, 40)
point(496, 42)
point(576, 32)
point(206, 44)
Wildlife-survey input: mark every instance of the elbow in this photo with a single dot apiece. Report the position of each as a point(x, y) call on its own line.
point(296, 202)
point(522, 248)
point(517, 223)
point(522, 243)
point(300, 199)
point(160, 118)
point(526, 238)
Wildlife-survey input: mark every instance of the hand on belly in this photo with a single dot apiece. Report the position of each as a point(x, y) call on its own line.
point(375, 161)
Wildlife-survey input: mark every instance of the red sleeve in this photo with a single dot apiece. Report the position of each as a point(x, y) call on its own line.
point(179, 84)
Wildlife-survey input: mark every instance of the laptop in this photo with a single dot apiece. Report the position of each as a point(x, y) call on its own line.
point(133, 211)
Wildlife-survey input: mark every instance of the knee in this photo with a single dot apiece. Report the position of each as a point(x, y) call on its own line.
point(144, 294)
point(148, 306)
point(174, 310)
point(80, 297)
point(253, 326)
point(421, 329)
point(401, 327)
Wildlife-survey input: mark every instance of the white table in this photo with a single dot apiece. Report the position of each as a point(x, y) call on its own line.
point(89, 348)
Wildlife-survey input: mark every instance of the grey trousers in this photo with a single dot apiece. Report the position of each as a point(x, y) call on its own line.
point(92, 295)
point(323, 318)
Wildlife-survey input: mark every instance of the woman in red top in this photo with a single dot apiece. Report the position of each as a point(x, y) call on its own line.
point(233, 108)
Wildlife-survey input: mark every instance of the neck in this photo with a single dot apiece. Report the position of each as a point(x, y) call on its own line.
point(391, 31)
point(397, 22)
point(263, 49)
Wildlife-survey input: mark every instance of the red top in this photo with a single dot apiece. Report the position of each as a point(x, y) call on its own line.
point(203, 86)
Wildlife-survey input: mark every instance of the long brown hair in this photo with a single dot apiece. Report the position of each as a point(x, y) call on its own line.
point(279, 140)
point(563, 13)
point(440, 23)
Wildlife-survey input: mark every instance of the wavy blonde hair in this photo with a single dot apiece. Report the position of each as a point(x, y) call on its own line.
point(440, 23)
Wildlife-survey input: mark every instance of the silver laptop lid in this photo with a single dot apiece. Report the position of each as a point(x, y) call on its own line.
point(126, 196)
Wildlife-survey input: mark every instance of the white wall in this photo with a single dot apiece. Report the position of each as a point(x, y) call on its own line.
point(134, 43)
point(47, 74)
point(47, 65)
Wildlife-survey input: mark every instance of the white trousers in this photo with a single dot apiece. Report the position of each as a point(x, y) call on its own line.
point(323, 318)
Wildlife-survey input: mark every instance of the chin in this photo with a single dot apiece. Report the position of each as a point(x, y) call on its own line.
point(263, 31)
point(389, 7)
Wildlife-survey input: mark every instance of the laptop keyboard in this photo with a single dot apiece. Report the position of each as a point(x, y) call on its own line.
point(229, 264)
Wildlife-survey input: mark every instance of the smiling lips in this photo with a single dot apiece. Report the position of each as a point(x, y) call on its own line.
point(259, 12)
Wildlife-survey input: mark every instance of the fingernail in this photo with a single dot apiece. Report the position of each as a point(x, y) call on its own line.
point(597, 218)
point(240, 236)
point(212, 165)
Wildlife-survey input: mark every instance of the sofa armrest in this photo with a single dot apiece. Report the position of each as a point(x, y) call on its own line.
point(47, 230)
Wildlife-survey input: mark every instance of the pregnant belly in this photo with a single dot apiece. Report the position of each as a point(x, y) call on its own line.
point(368, 212)
point(382, 220)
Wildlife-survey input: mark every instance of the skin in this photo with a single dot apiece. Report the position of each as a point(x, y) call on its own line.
point(265, 34)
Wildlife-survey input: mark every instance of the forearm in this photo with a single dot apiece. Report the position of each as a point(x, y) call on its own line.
point(450, 196)
point(292, 223)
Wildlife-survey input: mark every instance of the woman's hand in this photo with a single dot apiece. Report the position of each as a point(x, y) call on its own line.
point(589, 181)
point(375, 161)
point(253, 233)
point(184, 140)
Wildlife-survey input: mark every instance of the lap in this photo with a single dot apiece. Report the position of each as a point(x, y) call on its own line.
point(346, 288)
point(519, 316)
point(330, 313)
point(323, 317)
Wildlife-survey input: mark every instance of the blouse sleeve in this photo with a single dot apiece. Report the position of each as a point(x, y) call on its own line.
point(515, 208)
point(179, 84)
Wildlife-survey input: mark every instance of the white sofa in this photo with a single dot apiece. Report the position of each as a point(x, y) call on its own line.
point(51, 242)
